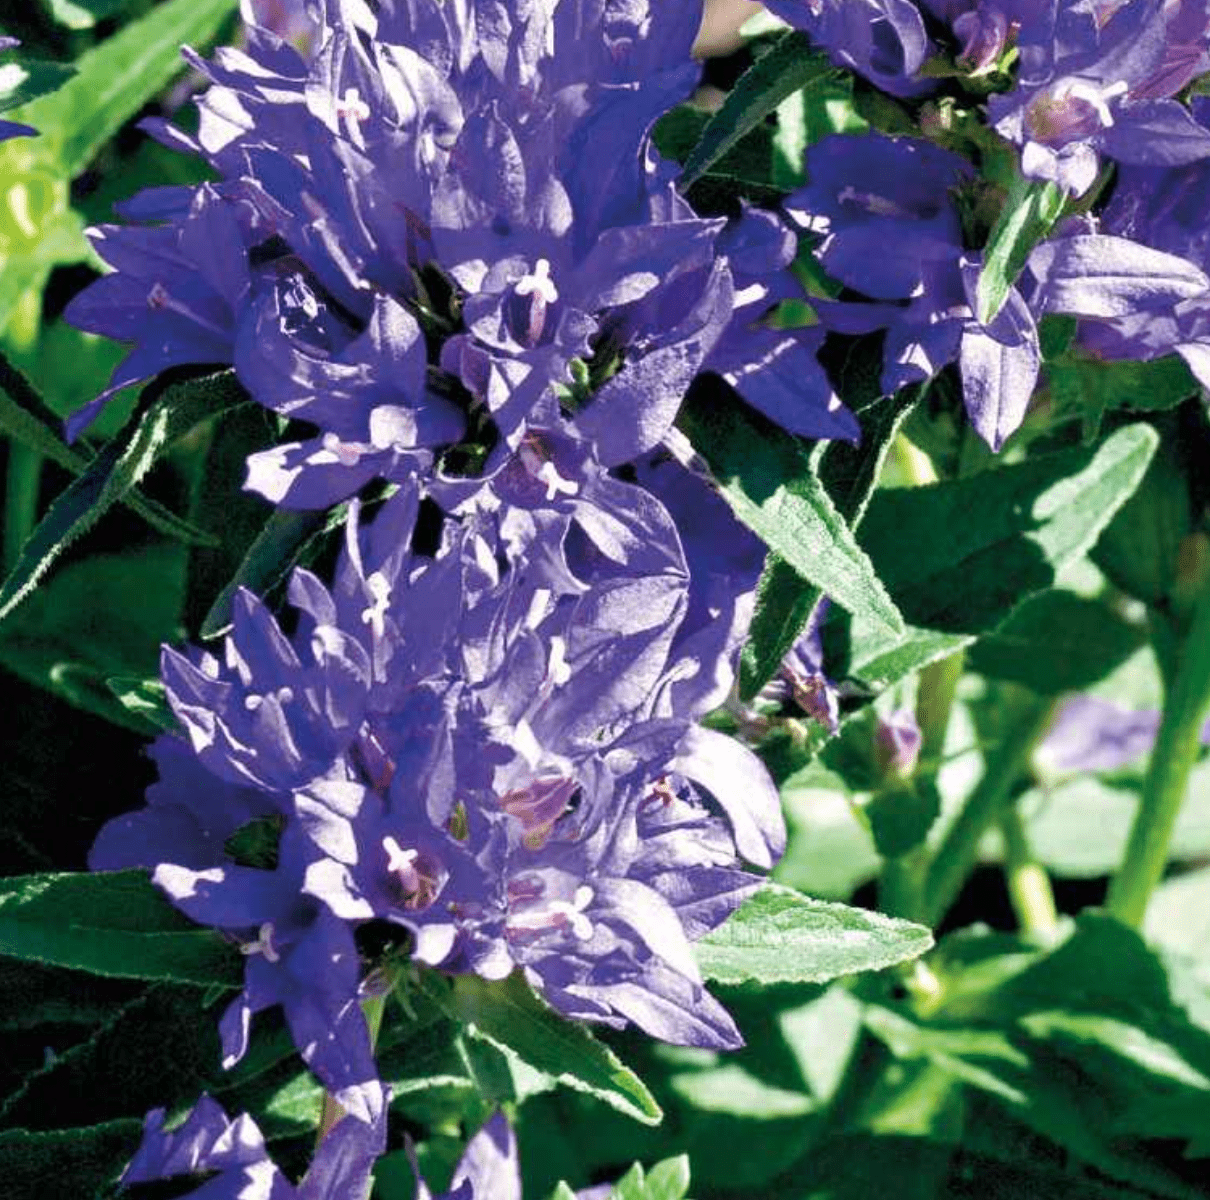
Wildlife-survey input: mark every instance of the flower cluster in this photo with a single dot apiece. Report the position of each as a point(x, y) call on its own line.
point(442, 248)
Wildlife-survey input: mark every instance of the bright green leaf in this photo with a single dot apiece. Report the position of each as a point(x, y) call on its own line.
point(514, 1020)
point(117, 77)
point(789, 66)
point(766, 478)
point(1030, 209)
point(782, 936)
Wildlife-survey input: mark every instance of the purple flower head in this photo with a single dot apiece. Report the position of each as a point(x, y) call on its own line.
point(883, 40)
point(434, 228)
point(12, 129)
point(897, 741)
point(487, 1170)
point(1106, 91)
point(235, 1165)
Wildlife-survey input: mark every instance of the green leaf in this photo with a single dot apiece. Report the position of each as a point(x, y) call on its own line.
point(1030, 209)
point(267, 561)
point(900, 817)
point(79, 1161)
point(114, 923)
point(146, 702)
point(784, 601)
point(84, 14)
point(781, 936)
point(766, 478)
point(789, 66)
point(515, 1021)
point(1089, 388)
point(117, 77)
point(177, 409)
point(27, 79)
point(960, 554)
point(101, 617)
point(667, 1181)
point(26, 417)
point(1057, 642)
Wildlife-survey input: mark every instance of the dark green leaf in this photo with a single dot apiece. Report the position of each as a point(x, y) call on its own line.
point(115, 923)
point(100, 617)
point(115, 471)
point(1030, 209)
point(514, 1020)
point(1089, 388)
point(766, 478)
point(900, 817)
point(145, 701)
point(1057, 642)
point(782, 936)
point(958, 555)
point(789, 66)
point(269, 557)
point(784, 601)
point(117, 77)
point(79, 1161)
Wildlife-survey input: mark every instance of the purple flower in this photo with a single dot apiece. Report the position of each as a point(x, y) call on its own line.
point(883, 40)
point(1106, 92)
point(12, 129)
point(487, 1170)
point(1091, 734)
point(234, 1163)
point(890, 231)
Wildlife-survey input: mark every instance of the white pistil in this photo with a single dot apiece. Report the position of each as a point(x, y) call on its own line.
point(352, 110)
point(253, 702)
point(556, 485)
point(399, 860)
point(539, 283)
point(1093, 94)
point(263, 944)
point(345, 453)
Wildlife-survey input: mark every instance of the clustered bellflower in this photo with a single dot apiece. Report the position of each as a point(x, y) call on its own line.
point(440, 245)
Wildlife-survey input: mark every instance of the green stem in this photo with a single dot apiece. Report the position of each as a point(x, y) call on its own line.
point(1176, 750)
point(23, 478)
point(934, 703)
point(1028, 883)
point(956, 855)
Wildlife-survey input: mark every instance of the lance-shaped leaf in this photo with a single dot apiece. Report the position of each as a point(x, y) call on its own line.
point(784, 600)
point(27, 79)
point(788, 67)
point(782, 936)
point(766, 477)
point(25, 416)
point(115, 471)
point(1030, 210)
point(958, 555)
point(79, 1161)
point(514, 1020)
point(115, 923)
point(116, 78)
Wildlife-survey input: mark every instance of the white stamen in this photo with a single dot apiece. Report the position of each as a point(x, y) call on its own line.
point(537, 608)
point(1093, 94)
point(253, 702)
point(539, 282)
point(375, 615)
